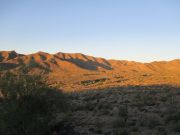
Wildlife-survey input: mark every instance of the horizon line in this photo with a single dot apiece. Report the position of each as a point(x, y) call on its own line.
point(116, 59)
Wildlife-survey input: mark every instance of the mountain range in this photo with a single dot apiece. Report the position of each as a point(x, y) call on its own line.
point(76, 71)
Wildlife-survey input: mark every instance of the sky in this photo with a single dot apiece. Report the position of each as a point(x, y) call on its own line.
point(139, 30)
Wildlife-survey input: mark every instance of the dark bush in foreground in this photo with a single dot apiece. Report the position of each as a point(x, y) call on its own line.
point(28, 106)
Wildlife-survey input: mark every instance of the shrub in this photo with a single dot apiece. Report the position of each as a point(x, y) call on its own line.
point(174, 115)
point(28, 106)
point(152, 121)
point(122, 131)
point(135, 129)
point(119, 122)
point(123, 112)
point(175, 126)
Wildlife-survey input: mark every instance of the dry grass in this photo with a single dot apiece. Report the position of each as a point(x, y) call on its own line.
point(152, 110)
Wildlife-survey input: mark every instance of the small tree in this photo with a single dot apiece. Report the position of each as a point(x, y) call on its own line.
point(123, 112)
point(28, 106)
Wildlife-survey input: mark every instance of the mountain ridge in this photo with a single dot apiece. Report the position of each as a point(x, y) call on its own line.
point(71, 71)
point(109, 59)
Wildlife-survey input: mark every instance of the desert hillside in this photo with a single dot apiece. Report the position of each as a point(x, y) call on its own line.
point(127, 111)
point(75, 71)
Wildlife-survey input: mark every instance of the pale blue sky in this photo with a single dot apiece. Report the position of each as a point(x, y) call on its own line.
point(141, 30)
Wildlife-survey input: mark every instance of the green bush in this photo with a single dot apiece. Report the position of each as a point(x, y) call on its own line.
point(123, 112)
point(28, 106)
point(119, 122)
point(174, 115)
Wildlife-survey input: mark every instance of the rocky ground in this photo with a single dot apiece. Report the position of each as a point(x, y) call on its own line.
point(150, 110)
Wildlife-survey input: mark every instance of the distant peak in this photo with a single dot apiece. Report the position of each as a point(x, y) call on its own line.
point(41, 52)
point(8, 52)
point(58, 53)
point(7, 55)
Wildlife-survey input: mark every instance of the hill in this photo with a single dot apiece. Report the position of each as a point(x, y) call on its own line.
point(76, 71)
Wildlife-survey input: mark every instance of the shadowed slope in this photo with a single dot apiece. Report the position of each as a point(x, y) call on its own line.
point(8, 55)
point(79, 71)
point(85, 62)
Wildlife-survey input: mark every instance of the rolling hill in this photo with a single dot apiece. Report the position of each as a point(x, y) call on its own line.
point(76, 71)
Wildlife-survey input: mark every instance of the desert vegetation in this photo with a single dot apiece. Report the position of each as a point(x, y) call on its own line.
point(89, 67)
point(150, 110)
point(29, 107)
point(128, 98)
